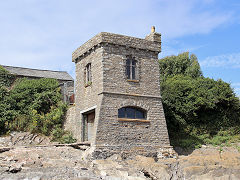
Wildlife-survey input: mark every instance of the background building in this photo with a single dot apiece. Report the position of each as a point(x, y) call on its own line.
point(65, 80)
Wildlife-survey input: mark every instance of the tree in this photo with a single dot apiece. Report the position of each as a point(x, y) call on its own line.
point(6, 79)
point(192, 102)
point(181, 64)
point(33, 105)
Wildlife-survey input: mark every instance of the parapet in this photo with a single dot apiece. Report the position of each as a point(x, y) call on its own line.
point(151, 43)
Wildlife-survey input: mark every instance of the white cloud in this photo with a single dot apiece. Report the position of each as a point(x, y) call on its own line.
point(174, 47)
point(236, 88)
point(235, 84)
point(237, 91)
point(179, 18)
point(43, 33)
point(225, 60)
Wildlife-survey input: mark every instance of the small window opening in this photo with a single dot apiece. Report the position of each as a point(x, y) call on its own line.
point(88, 74)
point(131, 68)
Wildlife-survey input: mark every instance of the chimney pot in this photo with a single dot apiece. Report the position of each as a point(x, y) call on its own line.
point(153, 29)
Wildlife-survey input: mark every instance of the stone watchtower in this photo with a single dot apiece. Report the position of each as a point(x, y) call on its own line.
point(118, 103)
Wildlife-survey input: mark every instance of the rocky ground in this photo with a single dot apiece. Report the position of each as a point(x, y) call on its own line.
point(26, 161)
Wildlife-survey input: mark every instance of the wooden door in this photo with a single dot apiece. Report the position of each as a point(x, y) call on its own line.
point(90, 125)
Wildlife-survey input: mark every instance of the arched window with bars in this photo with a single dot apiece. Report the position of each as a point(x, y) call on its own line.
point(132, 113)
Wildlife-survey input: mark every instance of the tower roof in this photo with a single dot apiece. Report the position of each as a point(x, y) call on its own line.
point(117, 39)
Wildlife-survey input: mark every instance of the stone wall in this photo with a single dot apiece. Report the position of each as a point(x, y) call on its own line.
point(70, 123)
point(110, 90)
point(144, 137)
point(87, 95)
point(119, 40)
point(114, 76)
point(67, 90)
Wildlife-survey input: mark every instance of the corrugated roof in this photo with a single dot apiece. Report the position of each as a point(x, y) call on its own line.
point(28, 72)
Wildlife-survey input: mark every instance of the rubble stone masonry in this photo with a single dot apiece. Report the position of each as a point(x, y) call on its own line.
point(110, 90)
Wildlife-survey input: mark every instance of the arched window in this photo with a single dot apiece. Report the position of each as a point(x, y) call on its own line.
point(131, 68)
point(131, 113)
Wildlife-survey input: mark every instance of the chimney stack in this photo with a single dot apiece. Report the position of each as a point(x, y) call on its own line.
point(153, 36)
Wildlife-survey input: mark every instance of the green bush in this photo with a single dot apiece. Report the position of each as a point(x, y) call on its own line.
point(223, 137)
point(6, 79)
point(57, 133)
point(32, 105)
point(39, 94)
point(67, 138)
point(183, 64)
point(62, 136)
point(199, 102)
point(20, 123)
point(196, 106)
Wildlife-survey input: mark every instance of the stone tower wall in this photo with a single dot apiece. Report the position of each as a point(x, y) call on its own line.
point(114, 78)
point(130, 137)
point(87, 96)
point(111, 90)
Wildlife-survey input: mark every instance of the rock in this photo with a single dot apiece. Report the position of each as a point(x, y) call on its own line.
point(115, 157)
point(26, 139)
point(3, 169)
point(135, 178)
point(15, 168)
point(3, 149)
point(51, 162)
point(193, 170)
point(164, 153)
point(84, 169)
point(211, 163)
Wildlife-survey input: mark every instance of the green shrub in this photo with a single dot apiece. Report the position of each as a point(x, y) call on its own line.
point(6, 113)
point(58, 134)
point(39, 94)
point(67, 138)
point(188, 143)
point(20, 123)
point(32, 105)
point(197, 109)
point(223, 137)
point(6, 79)
point(183, 64)
point(238, 148)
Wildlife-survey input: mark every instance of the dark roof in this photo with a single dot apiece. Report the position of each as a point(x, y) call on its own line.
point(27, 72)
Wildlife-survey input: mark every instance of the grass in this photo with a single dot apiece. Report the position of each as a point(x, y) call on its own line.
point(193, 140)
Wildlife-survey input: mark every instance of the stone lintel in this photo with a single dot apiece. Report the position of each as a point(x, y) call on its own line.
point(118, 40)
point(89, 109)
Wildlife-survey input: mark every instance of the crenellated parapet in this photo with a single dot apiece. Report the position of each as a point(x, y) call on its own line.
point(151, 43)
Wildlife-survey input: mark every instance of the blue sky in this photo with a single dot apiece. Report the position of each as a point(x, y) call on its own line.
point(44, 33)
